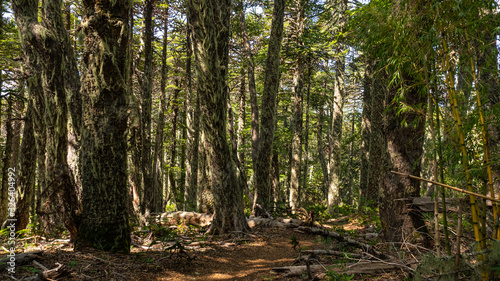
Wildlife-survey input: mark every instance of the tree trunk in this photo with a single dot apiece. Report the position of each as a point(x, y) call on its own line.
point(47, 50)
point(337, 120)
point(173, 148)
point(158, 152)
point(306, 139)
point(193, 133)
point(148, 205)
point(104, 221)
point(6, 159)
point(252, 89)
point(27, 170)
point(211, 25)
point(321, 150)
point(368, 194)
point(298, 82)
point(269, 107)
point(403, 151)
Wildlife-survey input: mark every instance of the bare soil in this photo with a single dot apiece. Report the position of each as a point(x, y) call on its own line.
point(236, 257)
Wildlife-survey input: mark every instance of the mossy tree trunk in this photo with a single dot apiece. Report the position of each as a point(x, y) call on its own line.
point(48, 52)
point(193, 131)
point(6, 159)
point(269, 108)
point(211, 28)
point(104, 221)
point(27, 170)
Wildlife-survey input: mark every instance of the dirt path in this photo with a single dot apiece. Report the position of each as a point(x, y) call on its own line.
point(249, 261)
point(220, 259)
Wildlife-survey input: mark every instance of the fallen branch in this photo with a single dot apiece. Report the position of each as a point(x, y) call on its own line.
point(362, 267)
point(333, 253)
point(21, 259)
point(368, 248)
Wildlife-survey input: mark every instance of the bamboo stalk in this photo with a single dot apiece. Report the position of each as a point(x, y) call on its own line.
point(448, 186)
point(485, 143)
point(465, 159)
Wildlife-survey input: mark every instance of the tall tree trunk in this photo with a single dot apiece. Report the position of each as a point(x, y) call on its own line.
point(298, 82)
point(269, 108)
point(368, 194)
point(321, 151)
point(338, 118)
point(211, 25)
point(147, 85)
point(173, 148)
point(27, 170)
point(377, 145)
point(193, 133)
point(47, 46)
point(306, 138)
point(104, 221)
point(158, 152)
point(252, 89)
point(6, 159)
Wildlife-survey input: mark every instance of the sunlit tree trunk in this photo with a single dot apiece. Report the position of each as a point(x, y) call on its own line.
point(158, 151)
point(211, 25)
point(173, 147)
point(104, 221)
point(269, 105)
point(337, 119)
point(367, 193)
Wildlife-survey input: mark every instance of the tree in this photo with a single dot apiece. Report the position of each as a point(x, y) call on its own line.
point(48, 53)
point(269, 111)
point(338, 117)
point(210, 22)
point(104, 221)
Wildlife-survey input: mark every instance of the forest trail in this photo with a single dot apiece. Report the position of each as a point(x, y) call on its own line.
point(250, 256)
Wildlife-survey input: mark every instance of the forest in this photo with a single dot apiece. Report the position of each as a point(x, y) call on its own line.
point(249, 140)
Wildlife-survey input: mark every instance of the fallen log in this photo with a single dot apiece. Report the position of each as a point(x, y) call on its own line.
point(191, 218)
point(366, 247)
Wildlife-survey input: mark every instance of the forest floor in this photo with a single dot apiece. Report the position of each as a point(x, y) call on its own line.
point(195, 256)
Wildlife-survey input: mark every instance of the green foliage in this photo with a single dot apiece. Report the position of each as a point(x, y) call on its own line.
point(470, 265)
point(335, 276)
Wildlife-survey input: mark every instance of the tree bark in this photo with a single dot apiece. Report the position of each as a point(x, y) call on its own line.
point(404, 135)
point(193, 133)
point(6, 159)
point(368, 194)
point(148, 205)
point(104, 221)
point(338, 118)
point(158, 152)
point(48, 52)
point(252, 89)
point(211, 25)
point(27, 170)
point(269, 108)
